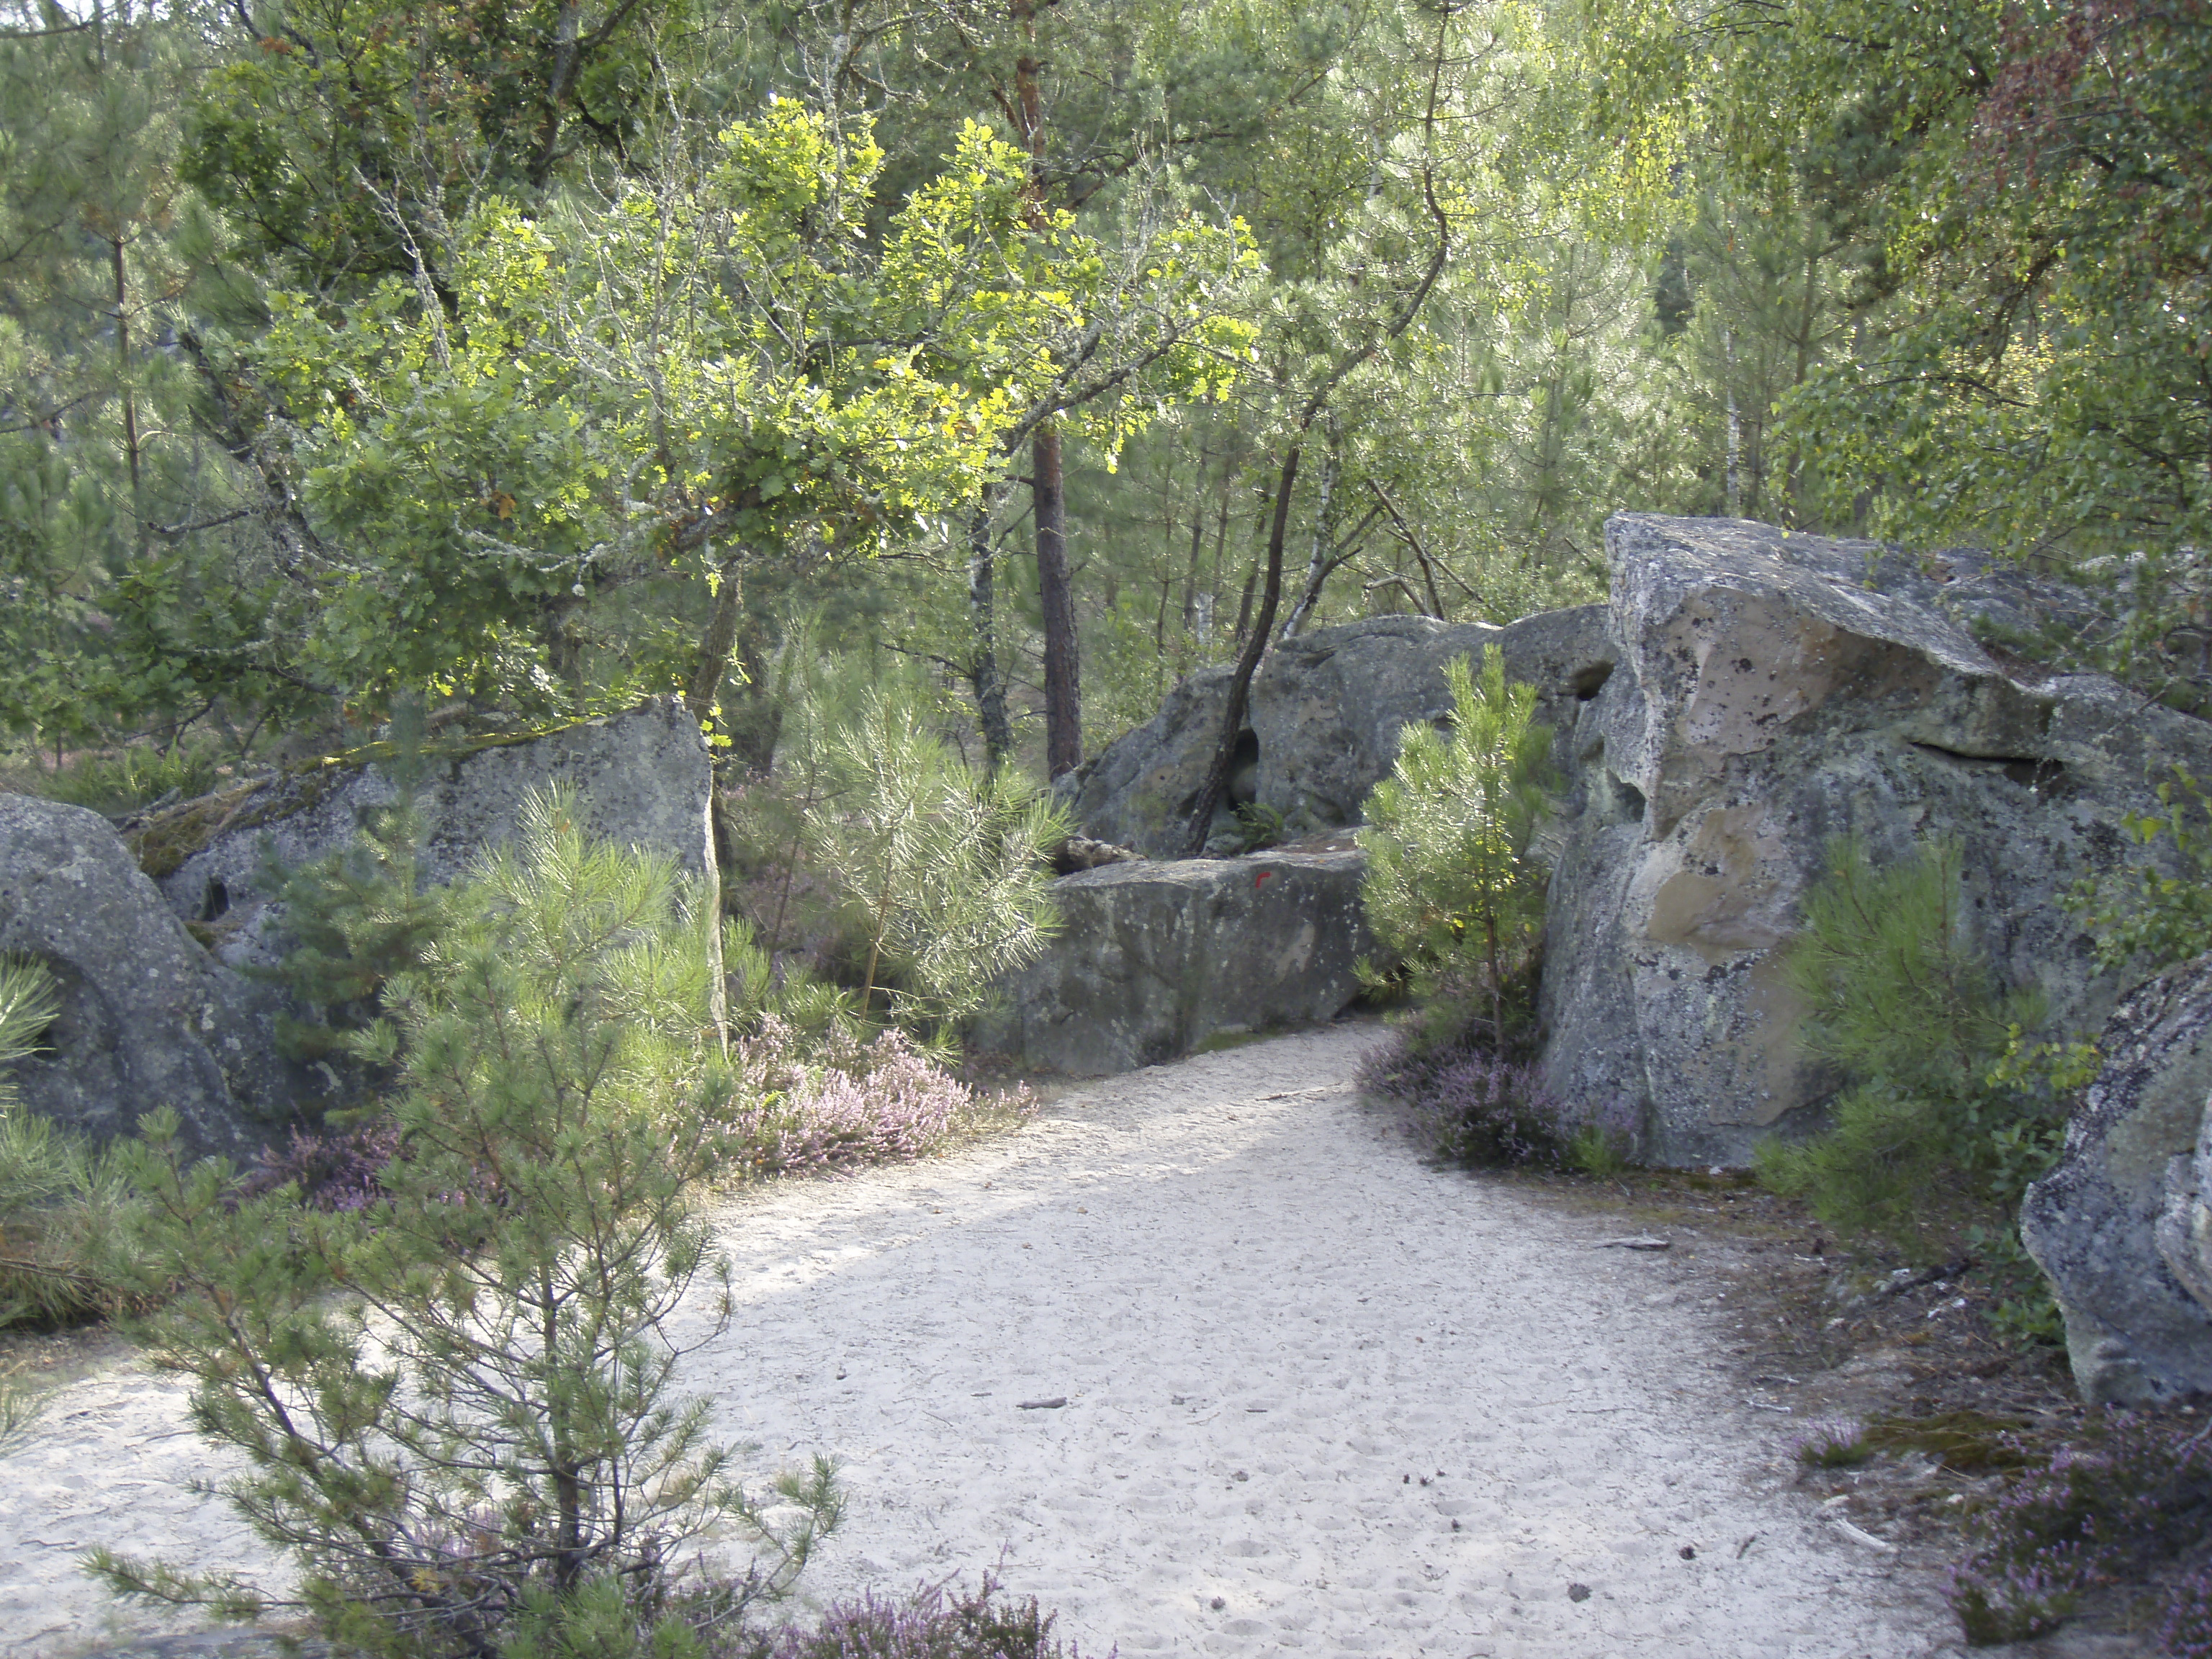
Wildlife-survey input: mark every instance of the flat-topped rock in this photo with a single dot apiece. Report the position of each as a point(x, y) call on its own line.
point(1155, 958)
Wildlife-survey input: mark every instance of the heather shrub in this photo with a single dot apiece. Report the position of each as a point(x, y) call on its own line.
point(335, 1168)
point(804, 1107)
point(2186, 1632)
point(2140, 1491)
point(1481, 1109)
point(933, 1624)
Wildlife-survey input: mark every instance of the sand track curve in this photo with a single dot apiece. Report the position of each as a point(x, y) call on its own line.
point(1270, 1325)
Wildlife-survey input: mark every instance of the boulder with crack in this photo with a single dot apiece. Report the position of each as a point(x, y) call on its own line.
point(1772, 691)
point(1155, 959)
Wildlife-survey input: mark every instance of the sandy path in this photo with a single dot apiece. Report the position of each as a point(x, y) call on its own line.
point(1264, 1317)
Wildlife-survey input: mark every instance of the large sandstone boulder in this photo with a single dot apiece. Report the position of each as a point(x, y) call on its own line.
point(642, 779)
point(148, 1019)
point(1773, 691)
point(2120, 1226)
point(1155, 958)
point(1322, 726)
point(156, 1007)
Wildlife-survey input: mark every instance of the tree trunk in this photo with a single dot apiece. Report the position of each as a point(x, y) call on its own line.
point(1734, 478)
point(715, 646)
point(1245, 606)
point(129, 401)
point(754, 736)
point(1063, 711)
point(564, 645)
point(1063, 708)
point(557, 82)
point(983, 657)
point(706, 691)
point(1197, 551)
point(1319, 565)
point(1248, 663)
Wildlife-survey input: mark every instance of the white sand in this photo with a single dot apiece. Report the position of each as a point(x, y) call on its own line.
point(1264, 1316)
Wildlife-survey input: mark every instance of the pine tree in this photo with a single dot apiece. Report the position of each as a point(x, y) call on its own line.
point(1900, 997)
point(943, 872)
point(1450, 887)
point(354, 918)
point(456, 1407)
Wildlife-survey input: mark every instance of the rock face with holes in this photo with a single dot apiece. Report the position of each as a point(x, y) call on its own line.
point(2121, 1226)
point(1156, 959)
point(147, 1018)
point(640, 779)
point(1773, 691)
point(153, 1015)
point(1325, 710)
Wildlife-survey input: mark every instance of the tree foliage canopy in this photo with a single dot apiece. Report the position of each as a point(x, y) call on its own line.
point(341, 344)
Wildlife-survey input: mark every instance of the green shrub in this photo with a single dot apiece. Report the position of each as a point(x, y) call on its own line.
point(57, 1194)
point(353, 919)
point(1451, 889)
point(1893, 985)
point(1259, 826)
point(1949, 1112)
point(1839, 1444)
point(54, 1196)
point(28, 1005)
point(2157, 911)
point(455, 1405)
point(943, 873)
point(122, 779)
point(1872, 1172)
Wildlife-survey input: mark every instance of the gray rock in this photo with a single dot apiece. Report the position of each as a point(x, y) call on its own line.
point(1773, 691)
point(2118, 1226)
point(148, 1019)
point(1325, 714)
point(2183, 1232)
point(640, 779)
point(1154, 959)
